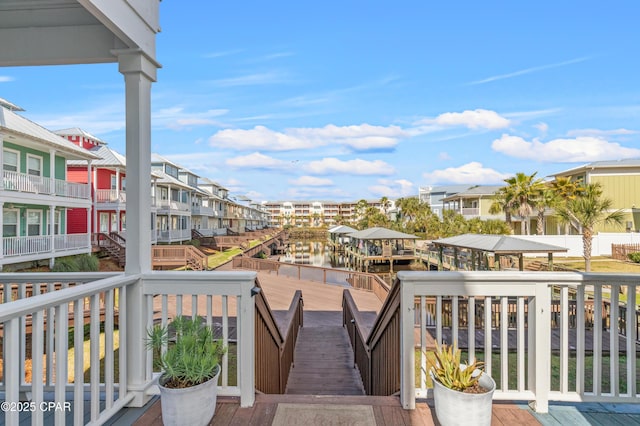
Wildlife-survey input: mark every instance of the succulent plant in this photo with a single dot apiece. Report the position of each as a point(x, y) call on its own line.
point(450, 372)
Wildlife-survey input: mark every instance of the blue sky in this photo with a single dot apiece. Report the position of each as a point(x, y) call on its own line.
point(364, 99)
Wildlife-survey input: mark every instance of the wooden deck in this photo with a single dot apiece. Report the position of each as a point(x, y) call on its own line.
point(323, 364)
point(386, 411)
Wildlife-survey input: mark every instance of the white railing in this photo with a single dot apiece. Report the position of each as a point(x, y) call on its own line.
point(202, 210)
point(554, 336)
point(470, 211)
point(22, 182)
point(71, 242)
point(22, 246)
point(174, 235)
point(173, 205)
point(71, 189)
point(124, 307)
point(110, 196)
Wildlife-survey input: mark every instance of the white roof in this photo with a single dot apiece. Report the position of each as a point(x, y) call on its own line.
point(14, 124)
point(77, 131)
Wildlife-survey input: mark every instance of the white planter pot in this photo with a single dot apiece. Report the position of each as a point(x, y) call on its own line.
point(194, 406)
point(455, 408)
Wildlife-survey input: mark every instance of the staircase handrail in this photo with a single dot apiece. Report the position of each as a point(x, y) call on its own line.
point(274, 351)
point(378, 348)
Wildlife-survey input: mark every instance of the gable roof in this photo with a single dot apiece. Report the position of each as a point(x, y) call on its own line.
point(342, 229)
point(500, 244)
point(378, 233)
point(77, 131)
point(108, 158)
point(610, 164)
point(18, 126)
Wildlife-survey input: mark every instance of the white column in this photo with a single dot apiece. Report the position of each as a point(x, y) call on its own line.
point(117, 183)
point(542, 349)
point(139, 72)
point(407, 345)
point(52, 172)
point(1, 222)
point(93, 188)
point(2, 160)
point(52, 237)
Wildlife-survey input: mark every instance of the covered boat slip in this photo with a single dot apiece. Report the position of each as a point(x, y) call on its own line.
point(377, 246)
point(486, 252)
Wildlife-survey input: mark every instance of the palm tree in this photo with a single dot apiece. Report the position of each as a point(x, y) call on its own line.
point(503, 203)
point(525, 189)
point(546, 198)
point(567, 189)
point(584, 212)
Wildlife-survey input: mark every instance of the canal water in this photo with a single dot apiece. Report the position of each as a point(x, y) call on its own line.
point(312, 253)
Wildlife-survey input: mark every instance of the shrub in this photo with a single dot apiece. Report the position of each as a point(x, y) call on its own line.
point(66, 264)
point(88, 263)
point(634, 257)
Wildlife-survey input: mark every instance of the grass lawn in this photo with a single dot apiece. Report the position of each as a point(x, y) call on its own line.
point(222, 257)
point(599, 264)
point(555, 371)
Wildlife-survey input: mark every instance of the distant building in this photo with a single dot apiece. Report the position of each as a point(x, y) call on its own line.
point(317, 213)
point(473, 202)
point(433, 195)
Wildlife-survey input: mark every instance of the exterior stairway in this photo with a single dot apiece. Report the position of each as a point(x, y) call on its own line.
point(114, 244)
point(323, 363)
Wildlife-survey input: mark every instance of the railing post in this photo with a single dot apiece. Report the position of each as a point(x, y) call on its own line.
point(246, 344)
point(542, 338)
point(407, 353)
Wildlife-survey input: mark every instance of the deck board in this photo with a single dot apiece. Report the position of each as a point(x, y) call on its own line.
point(386, 409)
point(323, 364)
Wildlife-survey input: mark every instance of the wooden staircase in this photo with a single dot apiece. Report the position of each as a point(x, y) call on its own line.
point(196, 260)
point(323, 364)
point(114, 245)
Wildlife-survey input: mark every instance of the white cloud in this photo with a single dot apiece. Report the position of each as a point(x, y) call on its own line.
point(473, 173)
point(580, 149)
point(257, 79)
point(258, 161)
point(311, 181)
point(357, 138)
point(6, 79)
point(601, 133)
point(542, 127)
point(393, 188)
point(317, 192)
point(254, 195)
point(177, 118)
point(350, 167)
point(476, 119)
point(528, 71)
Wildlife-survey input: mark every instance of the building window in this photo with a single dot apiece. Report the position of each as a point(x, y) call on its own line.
point(114, 183)
point(123, 221)
point(10, 223)
point(10, 160)
point(104, 222)
point(123, 183)
point(114, 223)
point(34, 222)
point(34, 165)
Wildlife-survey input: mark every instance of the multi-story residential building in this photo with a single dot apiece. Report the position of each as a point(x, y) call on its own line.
point(433, 195)
point(620, 181)
point(473, 202)
point(108, 177)
point(36, 195)
point(215, 199)
point(317, 213)
point(173, 201)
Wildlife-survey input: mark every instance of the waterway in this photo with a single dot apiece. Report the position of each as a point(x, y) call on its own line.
point(318, 253)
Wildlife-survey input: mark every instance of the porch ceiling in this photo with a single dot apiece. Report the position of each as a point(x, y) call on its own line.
point(49, 32)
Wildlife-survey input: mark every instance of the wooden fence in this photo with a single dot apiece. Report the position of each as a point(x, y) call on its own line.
point(622, 251)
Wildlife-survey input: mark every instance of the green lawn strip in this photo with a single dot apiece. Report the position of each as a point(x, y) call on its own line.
point(218, 259)
point(555, 371)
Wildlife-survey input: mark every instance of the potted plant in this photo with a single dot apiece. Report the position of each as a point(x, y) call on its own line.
point(190, 368)
point(463, 393)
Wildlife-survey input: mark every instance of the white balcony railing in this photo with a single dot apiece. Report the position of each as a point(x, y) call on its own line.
point(110, 196)
point(173, 205)
point(531, 321)
point(22, 182)
point(174, 235)
point(470, 211)
point(119, 310)
point(202, 210)
point(41, 244)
